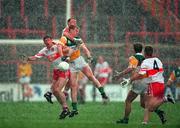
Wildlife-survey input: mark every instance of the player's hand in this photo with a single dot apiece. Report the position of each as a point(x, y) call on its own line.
point(31, 58)
point(23, 57)
point(116, 75)
point(65, 58)
point(125, 82)
point(78, 41)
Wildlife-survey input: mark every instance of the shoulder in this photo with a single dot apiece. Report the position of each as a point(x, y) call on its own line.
point(132, 58)
point(66, 29)
point(63, 40)
point(43, 49)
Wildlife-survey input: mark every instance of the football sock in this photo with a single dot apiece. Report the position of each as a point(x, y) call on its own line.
point(157, 110)
point(101, 90)
point(74, 106)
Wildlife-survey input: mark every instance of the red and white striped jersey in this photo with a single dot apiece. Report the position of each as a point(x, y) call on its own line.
point(51, 54)
point(153, 68)
point(102, 70)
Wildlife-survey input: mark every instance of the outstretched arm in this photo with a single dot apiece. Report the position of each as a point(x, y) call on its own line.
point(87, 53)
point(38, 55)
point(124, 72)
point(133, 62)
point(32, 58)
point(86, 50)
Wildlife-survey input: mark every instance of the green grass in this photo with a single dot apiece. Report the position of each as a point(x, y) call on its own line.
point(91, 115)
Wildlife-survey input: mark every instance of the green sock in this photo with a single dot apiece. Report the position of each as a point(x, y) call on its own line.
point(74, 106)
point(157, 110)
point(101, 90)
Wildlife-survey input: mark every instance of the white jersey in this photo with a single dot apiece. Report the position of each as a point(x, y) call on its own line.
point(102, 70)
point(51, 54)
point(153, 68)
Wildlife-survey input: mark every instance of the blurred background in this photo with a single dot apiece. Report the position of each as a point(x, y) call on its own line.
point(109, 28)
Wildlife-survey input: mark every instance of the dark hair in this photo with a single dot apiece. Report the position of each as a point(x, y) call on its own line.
point(46, 37)
point(148, 51)
point(138, 47)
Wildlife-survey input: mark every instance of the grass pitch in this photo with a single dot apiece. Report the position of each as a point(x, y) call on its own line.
point(91, 115)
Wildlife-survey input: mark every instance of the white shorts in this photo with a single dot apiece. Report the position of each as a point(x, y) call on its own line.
point(24, 80)
point(56, 62)
point(139, 87)
point(78, 64)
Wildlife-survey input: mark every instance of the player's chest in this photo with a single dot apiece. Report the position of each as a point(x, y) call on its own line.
point(51, 51)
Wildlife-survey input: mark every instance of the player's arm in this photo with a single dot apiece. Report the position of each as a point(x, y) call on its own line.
point(32, 58)
point(136, 76)
point(64, 57)
point(37, 56)
point(141, 74)
point(68, 35)
point(87, 52)
point(60, 51)
point(124, 72)
point(132, 65)
point(67, 51)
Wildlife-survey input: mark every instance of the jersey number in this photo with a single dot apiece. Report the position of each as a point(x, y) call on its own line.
point(155, 66)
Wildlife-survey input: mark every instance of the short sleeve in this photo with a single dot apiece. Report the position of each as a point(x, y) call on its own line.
point(133, 62)
point(63, 40)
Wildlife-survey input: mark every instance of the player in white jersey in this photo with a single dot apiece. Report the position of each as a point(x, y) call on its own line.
point(153, 68)
point(53, 52)
point(102, 71)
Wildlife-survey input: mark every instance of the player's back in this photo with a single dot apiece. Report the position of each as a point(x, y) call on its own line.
point(154, 69)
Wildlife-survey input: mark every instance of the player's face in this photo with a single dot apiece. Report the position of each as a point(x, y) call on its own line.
point(48, 42)
point(72, 22)
point(100, 59)
point(74, 32)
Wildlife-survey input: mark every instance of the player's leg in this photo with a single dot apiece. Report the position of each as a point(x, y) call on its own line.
point(74, 88)
point(158, 98)
point(154, 100)
point(23, 92)
point(103, 81)
point(130, 98)
point(58, 93)
point(88, 72)
point(48, 94)
point(65, 91)
point(143, 98)
point(59, 81)
point(83, 92)
point(146, 112)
